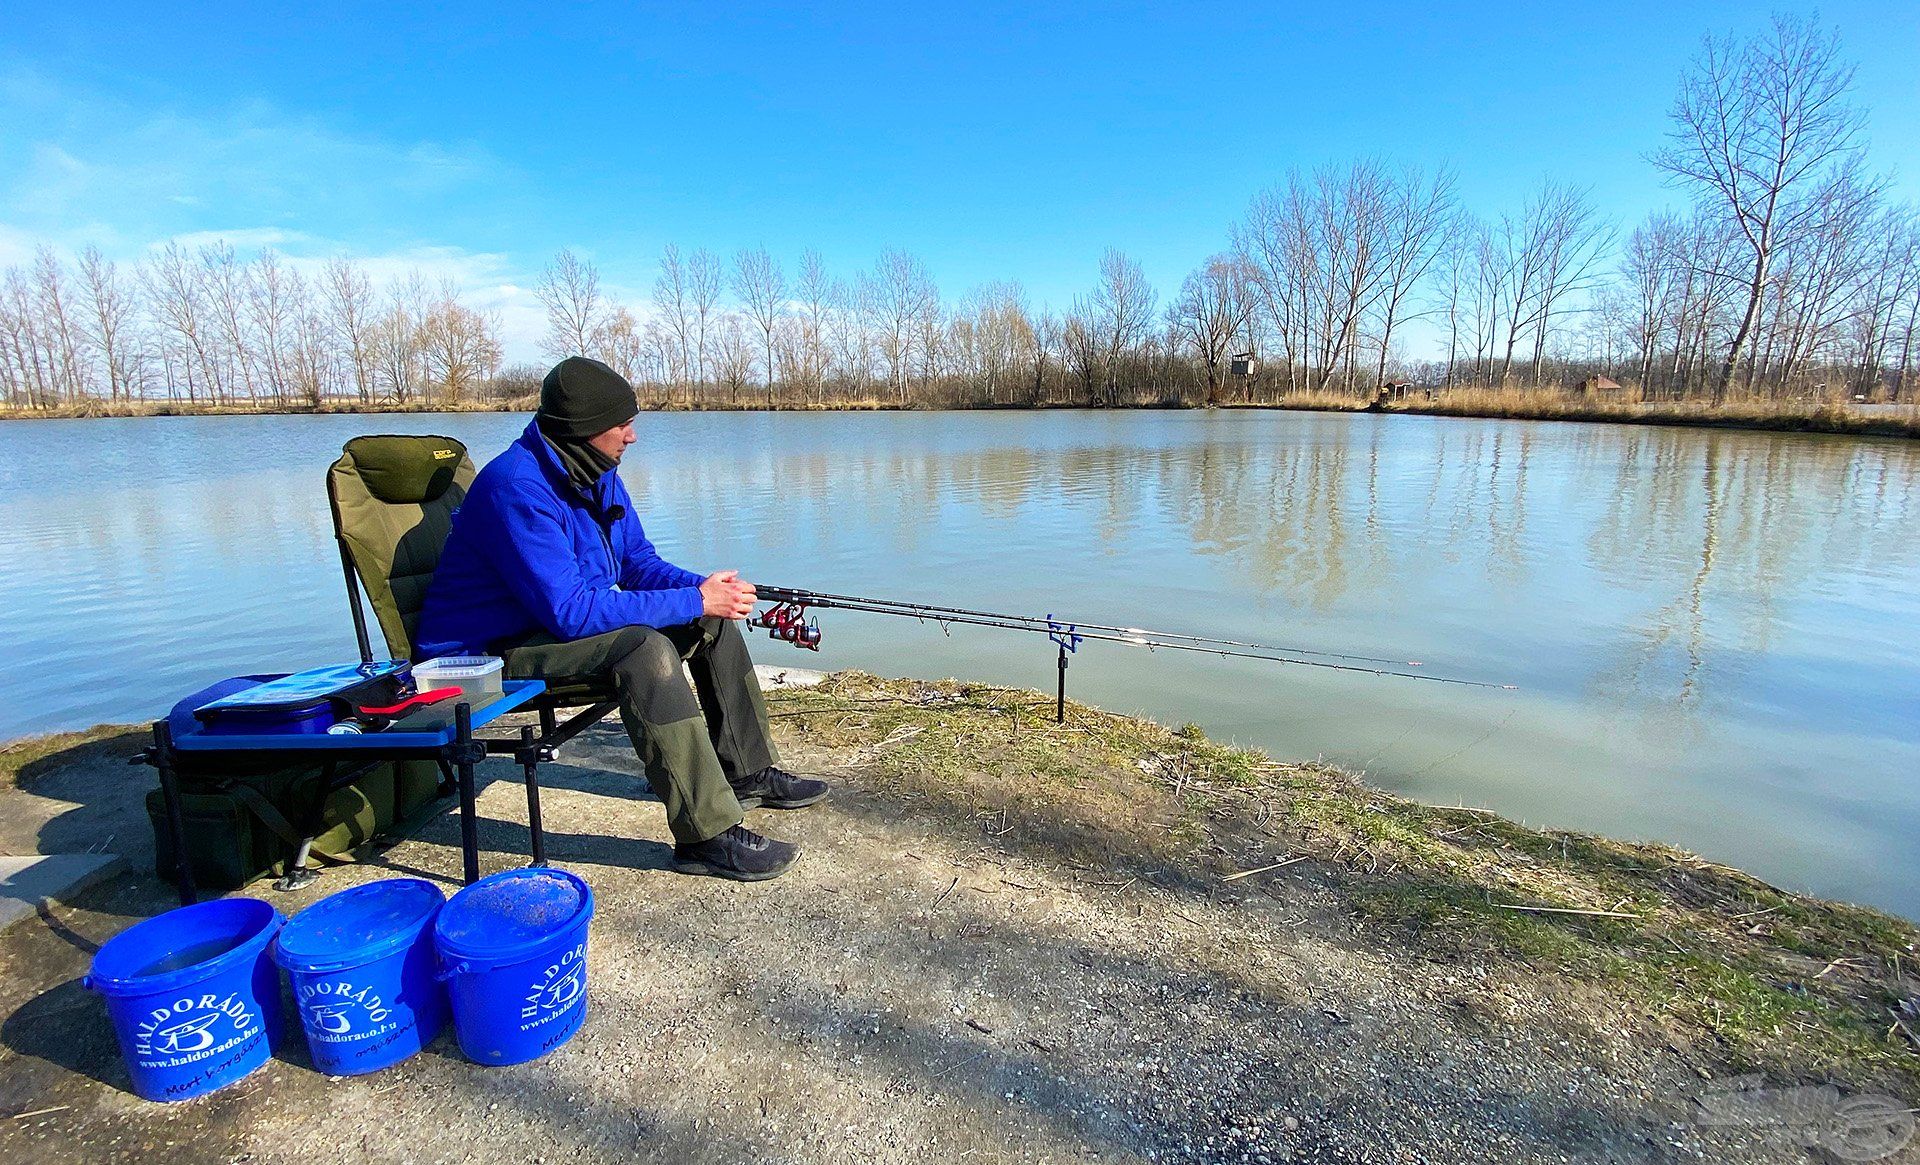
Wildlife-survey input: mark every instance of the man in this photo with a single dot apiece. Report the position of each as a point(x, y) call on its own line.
point(547, 567)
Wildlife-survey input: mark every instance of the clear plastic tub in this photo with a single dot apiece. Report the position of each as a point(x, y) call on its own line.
point(477, 677)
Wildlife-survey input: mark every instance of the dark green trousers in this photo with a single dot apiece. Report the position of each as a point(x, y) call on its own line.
point(690, 750)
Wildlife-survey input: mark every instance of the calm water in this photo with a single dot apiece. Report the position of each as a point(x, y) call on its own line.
point(1715, 634)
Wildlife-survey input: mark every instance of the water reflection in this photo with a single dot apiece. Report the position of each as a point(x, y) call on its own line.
point(1707, 625)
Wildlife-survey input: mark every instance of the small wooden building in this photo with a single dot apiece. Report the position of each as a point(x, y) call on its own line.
point(1599, 386)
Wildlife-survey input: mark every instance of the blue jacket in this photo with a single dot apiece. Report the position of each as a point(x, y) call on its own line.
point(530, 552)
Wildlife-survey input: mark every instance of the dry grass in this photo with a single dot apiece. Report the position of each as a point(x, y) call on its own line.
point(1553, 404)
point(1779, 981)
point(16, 755)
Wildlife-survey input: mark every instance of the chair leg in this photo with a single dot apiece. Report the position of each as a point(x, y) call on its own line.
point(469, 812)
point(176, 824)
point(530, 764)
point(547, 721)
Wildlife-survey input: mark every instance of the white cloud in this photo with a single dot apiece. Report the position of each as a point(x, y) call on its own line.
point(77, 158)
point(16, 246)
point(92, 171)
point(244, 238)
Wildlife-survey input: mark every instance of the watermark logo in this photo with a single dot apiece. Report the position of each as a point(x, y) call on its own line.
point(1866, 1127)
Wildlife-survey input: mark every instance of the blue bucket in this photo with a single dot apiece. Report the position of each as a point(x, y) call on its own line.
point(362, 967)
point(514, 951)
point(194, 999)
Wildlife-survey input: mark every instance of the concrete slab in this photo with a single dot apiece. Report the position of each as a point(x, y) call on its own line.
point(27, 882)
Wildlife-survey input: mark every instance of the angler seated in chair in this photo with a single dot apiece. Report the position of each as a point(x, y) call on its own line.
point(547, 567)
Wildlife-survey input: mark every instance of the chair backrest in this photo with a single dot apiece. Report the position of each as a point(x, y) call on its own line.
point(393, 499)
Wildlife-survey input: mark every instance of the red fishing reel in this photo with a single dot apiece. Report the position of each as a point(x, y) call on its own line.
point(788, 622)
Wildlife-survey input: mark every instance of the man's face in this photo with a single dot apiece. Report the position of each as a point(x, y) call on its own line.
point(614, 441)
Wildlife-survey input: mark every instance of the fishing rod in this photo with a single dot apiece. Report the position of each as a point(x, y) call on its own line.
point(787, 620)
point(929, 611)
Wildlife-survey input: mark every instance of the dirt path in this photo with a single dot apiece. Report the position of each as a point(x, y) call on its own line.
point(933, 982)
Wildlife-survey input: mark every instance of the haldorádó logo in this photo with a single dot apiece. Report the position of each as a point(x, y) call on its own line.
point(190, 1029)
point(336, 1011)
point(559, 987)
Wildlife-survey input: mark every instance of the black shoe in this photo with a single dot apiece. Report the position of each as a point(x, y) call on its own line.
point(739, 853)
point(772, 788)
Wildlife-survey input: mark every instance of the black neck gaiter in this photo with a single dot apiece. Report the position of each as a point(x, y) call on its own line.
point(585, 464)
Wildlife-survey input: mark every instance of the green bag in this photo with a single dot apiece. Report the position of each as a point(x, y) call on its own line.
point(241, 826)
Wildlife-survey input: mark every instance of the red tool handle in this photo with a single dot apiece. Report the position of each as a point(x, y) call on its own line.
point(417, 701)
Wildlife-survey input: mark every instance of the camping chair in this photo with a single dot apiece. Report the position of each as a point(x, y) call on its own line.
point(393, 499)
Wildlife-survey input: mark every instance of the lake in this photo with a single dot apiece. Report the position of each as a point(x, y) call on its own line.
point(1714, 634)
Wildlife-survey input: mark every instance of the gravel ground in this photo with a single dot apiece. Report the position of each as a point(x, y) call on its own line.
point(919, 988)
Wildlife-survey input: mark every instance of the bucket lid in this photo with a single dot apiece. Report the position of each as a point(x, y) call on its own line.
point(235, 928)
point(512, 915)
point(358, 925)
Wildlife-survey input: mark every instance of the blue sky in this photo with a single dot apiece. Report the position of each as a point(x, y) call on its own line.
point(994, 141)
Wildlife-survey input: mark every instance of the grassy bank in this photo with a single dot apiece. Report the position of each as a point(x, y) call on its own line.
point(1776, 982)
point(1759, 413)
point(1516, 404)
point(990, 892)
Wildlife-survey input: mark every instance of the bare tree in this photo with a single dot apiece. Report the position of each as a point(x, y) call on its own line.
point(733, 354)
point(1212, 313)
point(852, 331)
point(1420, 213)
point(1080, 342)
point(30, 373)
point(223, 291)
point(1574, 239)
point(457, 345)
point(762, 289)
point(673, 303)
point(275, 298)
point(1121, 311)
point(397, 338)
point(904, 298)
point(569, 288)
point(174, 294)
point(59, 324)
point(111, 323)
point(621, 342)
point(814, 291)
point(350, 313)
point(1755, 123)
point(704, 280)
point(1652, 274)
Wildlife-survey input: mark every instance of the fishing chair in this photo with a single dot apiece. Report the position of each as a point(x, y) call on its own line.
point(393, 499)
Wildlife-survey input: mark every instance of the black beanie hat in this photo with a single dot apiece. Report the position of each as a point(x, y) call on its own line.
point(582, 397)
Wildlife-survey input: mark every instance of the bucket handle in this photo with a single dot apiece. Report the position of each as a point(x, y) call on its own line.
point(459, 968)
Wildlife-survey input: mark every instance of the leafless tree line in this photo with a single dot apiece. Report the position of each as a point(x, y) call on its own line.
point(743, 331)
point(1791, 272)
point(203, 326)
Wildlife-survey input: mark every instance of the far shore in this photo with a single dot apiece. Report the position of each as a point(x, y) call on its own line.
point(1760, 414)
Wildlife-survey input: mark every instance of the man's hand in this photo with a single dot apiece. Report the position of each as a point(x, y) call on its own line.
point(725, 596)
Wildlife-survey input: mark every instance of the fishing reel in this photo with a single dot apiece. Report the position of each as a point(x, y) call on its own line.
point(788, 622)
